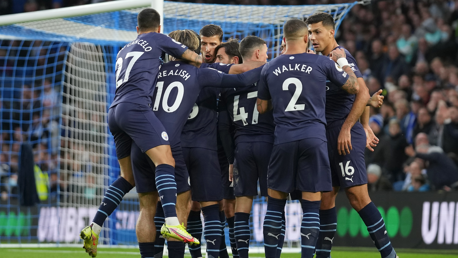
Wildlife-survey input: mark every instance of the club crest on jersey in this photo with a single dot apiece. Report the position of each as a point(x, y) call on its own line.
point(165, 136)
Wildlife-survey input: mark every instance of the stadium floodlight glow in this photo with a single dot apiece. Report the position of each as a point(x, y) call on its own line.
point(75, 49)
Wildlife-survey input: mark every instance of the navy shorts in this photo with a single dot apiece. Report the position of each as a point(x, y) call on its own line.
point(348, 170)
point(252, 160)
point(144, 171)
point(131, 122)
point(204, 173)
point(300, 165)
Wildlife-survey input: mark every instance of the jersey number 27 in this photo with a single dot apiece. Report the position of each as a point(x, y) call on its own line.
point(135, 56)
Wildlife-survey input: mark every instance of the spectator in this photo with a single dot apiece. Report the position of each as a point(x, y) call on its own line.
point(394, 65)
point(425, 124)
point(373, 85)
point(375, 180)
point(419, 184)
point(407, 43)
point(406, 118)
point(50, 97)
point(25, 106)
point(450, 133)
point(437, 130)
point(441, 170)
point(376, 124)
point(377, 59)
point(390, 154)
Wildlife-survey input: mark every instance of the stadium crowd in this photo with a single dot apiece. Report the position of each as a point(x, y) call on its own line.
point(407, 48)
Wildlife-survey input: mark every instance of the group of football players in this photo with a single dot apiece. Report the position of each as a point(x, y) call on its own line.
point(204, 131)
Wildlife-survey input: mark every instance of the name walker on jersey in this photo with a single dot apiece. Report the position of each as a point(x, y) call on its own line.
point(292, 67)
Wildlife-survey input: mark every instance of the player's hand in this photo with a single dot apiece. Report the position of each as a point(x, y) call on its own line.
point(309, 51)
point(231, 172)
point(338, 53)
point(371, 139)
point(376, 100)
point(344, 142)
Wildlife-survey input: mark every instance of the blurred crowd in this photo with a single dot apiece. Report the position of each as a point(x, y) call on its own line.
point(30, 106)
point(407, 48)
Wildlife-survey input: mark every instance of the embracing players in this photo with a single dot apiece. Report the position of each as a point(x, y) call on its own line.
point(131, 119)
point(294, 85)
point(346, 142)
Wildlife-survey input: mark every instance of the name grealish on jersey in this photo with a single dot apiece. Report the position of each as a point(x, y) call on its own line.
point(292, 67)
point(178, 72)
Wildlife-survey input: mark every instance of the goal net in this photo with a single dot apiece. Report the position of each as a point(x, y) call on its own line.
point(57, 81)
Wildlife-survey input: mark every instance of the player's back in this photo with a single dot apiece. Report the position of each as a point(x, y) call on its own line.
point(137, 66)
point(177, 90)
point(242, 109)
point(338, 101)
point(296, 84)
point(200, 129)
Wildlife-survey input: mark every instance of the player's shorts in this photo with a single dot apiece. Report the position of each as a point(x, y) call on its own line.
point(144, 171)
point(204, 173)
point(252, 161)
point(300, 165)
point(135, 122)
point(228, 188)
point(347, 170)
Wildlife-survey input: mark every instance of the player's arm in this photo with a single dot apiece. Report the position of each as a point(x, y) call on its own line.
point(263, 102)
point(362, 96)
point(376, 100)
point(243, 68)
point(176, 49)
point(225, 135)
point(192, 57)
point(371, 139)
point(214, 78)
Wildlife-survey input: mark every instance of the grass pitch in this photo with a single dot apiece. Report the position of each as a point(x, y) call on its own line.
point(123, 253)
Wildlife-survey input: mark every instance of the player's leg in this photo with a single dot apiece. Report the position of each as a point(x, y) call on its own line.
point(194, 224)
point(314, 177)
point(176, 249)
point(159, 220)
point(353, 178)
point(146, 229)
point(328, 223)
point(328, 214)
point(281, 178)
point(224, 169)
point(229, 212)
point(206, 189)
point(143, 172)
point(361, 202)
point(116, 191)
point(195, 228)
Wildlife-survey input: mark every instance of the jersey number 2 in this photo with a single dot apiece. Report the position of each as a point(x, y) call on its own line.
point(292, 106)
point(135, 56)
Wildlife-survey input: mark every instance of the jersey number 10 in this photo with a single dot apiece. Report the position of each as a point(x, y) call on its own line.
point(165, 105)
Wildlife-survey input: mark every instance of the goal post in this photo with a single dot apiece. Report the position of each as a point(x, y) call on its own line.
point(57, 81)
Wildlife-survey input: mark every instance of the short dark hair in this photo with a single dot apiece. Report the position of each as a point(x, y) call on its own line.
point(231, 47)
point(148, 19)
point(212, 30)
point(249, 43)
point(188, 38)
point(326, 18)
point(293, 27)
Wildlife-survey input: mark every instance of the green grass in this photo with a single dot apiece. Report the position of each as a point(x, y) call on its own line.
point(122, 253)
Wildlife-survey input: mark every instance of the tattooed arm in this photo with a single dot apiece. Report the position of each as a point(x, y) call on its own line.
point(192, 57)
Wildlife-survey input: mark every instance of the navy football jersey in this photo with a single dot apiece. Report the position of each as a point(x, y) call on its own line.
point(137, 65)
point(249, 125)
point(297, 86)
point(338, 101)
point(200, 129)
point(177, 89)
